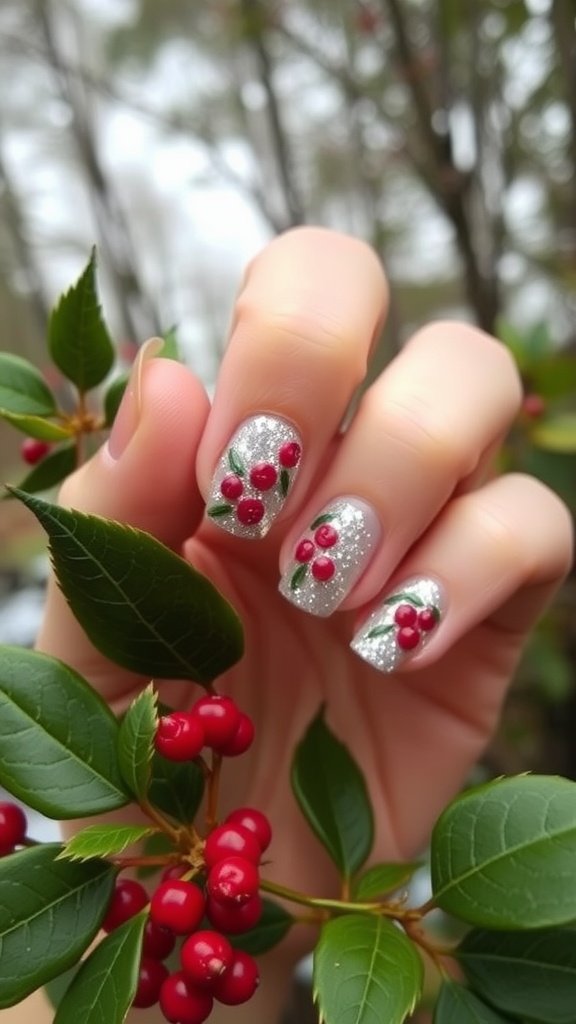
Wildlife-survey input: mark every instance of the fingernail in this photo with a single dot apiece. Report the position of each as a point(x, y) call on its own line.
point(401, 626)
point(128, 415)
point(330, 557)
point(255, 476)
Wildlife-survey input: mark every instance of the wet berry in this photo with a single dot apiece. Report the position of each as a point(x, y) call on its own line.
point(13, 826)
point(150, 979)
point(255, 821)
point(234, 880)
point(177, 905)
point(427, 619)
point(405, 615)
point(158, 942)
point(205, 956)
point(179, 736)
point(242, 738)
point(33, 451)
point(231, 839)
point(219, 717)
point(289, 454)
point(250, 511)
point(128, 898)
point(263, 476)
point(174, 871)
point(326, 536)
point(304, 551)
point(407, 638)
point(182, 1002)
point(231, 487)
point(323, 568)
point(240, 981)
point(232, 918)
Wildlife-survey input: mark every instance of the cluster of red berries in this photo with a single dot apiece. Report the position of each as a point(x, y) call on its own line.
point(226, 903)
point(262, 476)
point(33, 450)
point(306, 554)
point(213, 721)
point(412, 623)
point(13, 827)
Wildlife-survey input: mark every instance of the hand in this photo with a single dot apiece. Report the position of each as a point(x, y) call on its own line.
point(421, 505)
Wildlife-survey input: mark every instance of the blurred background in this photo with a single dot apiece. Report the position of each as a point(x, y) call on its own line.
point(180, 136)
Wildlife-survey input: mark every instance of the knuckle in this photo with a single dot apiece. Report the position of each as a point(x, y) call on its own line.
point(415, 424)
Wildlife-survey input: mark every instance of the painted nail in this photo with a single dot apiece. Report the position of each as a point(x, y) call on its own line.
point(255, 476)
point(331, 556)
point(401, 626)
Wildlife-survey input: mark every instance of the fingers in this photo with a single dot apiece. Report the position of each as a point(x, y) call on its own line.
point(304, 323)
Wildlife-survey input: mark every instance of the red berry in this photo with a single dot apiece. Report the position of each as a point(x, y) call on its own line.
point(231, 839)
point(33, 450)
point(183, 1003)
point(242, 738)
point(427, 619)
point(250, 511)
point(304, 551)
point(231, 486)
point(533, 406)
point(263, 476)
point(179, 736)
point(158, 942)
point(13, 826)
point(326, 536)
point(150, 979)
point(219, 717)
point(323, 568)
point(128, 898)
point(205, 956)
point(177, 905)
point(240, 981)
point(174, 871)
point(289, 454)
point(234, 919)
point(407, 638)
point(234, 880)
point(255, 822)
point(405, 615)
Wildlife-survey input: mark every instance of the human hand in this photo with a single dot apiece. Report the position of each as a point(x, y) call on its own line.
point(414, 465)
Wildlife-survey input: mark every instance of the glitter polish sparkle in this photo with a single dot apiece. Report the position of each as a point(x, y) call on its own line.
point(380, 640)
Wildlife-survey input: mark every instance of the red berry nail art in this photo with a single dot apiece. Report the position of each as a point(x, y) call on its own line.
point(402, 625)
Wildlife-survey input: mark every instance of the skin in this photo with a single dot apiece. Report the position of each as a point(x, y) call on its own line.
point(419, 449)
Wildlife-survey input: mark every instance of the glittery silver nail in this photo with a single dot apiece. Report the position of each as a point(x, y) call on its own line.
point(254, 476)
point(401, 626)
point(331, 556)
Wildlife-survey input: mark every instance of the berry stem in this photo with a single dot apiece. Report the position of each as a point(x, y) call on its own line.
point(159, 819)
point(312, 901)
point(213, 791)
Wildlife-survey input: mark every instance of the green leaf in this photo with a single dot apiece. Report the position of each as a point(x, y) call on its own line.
point(140, 604)
point(171, 349)
point(457, 1005)
point(531, 974)
point(23, 388)
point(556, 433)
point(51, 471)
point(297, 576)
point(56, 987)
point(136, 742)
point(103, 990)
point(235, 462)
point(554, 376)
point(177, 788)
point(365, 972)
point(36, 426)
point(103, 841)
point(50, 911)
point(503, 854)
point(382, 879)
point(215, 511)
point(380, 631)
point(113, 397)
point(326, 517)
point(274, 924)
point(57, 737)
point(404, 596)
point(78, 338)
point(284, 482)
point(333, 797)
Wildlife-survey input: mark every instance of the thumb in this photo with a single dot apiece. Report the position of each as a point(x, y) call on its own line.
point(144, 475)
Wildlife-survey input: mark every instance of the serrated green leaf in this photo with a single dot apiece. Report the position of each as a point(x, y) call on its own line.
point(57, 737)
point(457, 1005)
point(273, 925)
point(136, 742)
point(140, 604)
point(381, 879)
point(113, 397)
point(503, 855)
point(23, 388)
point(366, 971)
point(36, 426)
point(50, 911)
point(78, 338)
point(333, 797)
point(528, 974)
point(103, 841)
point(51, 471)
point(556, 433)
point(176, 788)
point(104, 987)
